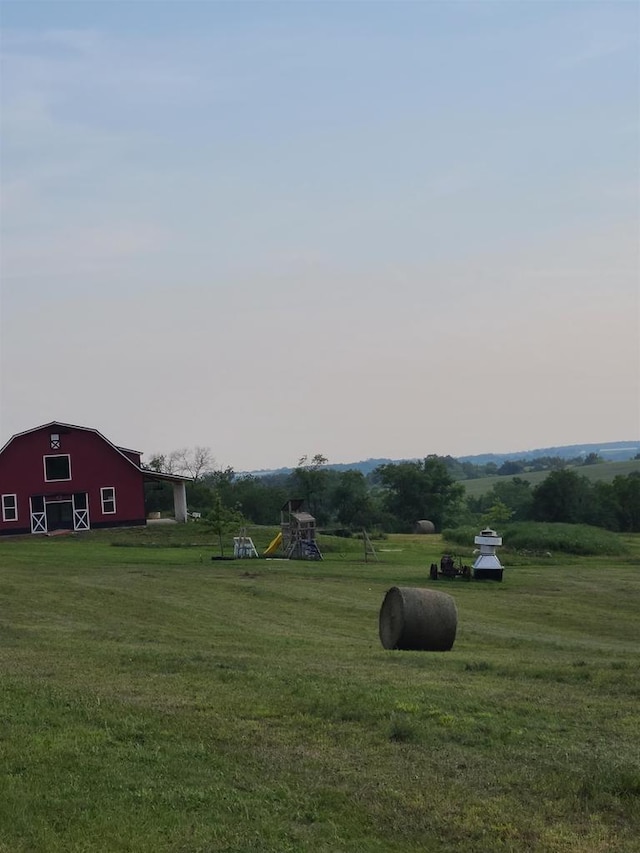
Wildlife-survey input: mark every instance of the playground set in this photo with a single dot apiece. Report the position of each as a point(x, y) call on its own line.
point(297, 535)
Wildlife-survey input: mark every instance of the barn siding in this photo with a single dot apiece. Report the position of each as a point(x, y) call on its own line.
point(94, 464)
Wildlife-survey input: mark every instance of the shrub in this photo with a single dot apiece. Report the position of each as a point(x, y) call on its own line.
point(341, 532)
point(579, 539)
point(462, 536)
point(539, 537)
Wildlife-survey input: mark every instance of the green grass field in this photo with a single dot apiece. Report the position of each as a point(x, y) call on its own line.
point(602, 471)
point(154, 700)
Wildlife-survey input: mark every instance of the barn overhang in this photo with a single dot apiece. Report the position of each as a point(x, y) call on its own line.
point(179, 491)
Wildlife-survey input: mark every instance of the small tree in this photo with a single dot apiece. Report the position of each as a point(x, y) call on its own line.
point(515, 494)
point(221, 520)
point(592, 459)
point(160, 463)
point(498, 514)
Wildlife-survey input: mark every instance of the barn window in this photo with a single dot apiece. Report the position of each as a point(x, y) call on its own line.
point(55, 441)
point(108, 498)
point(9, 507)
point(57, 468)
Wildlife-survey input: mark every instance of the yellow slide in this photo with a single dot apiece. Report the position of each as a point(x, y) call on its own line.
point(273, 546)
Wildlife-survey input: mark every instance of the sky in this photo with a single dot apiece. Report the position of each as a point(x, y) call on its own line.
point(360, 229)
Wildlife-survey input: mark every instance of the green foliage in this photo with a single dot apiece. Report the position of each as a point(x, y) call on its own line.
point(579, 539)
point(562, 496)
point(199, 496)
point(540, 538)
point(514, 493)
point(158, 497)
point(498, 514)
point(258, 499)
point(394, 496)
point(420, 490)
point(222, 520)
point(352, 502)
point(461, 536)
point(310, 478)
point(569, 497)
point(592, 459)
point(604, 471)
point(626, 495)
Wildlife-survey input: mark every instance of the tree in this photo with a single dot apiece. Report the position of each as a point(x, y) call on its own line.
point(498, 514)
point(562, 496)
point(511, 466)
point(516, 494)
point(221, 520)
point(592, 459)
point(351, 501)
point(192, 462)
point(605, 510)
point(259, 499)
point(416, 490)
point(627, 494)
point(188, 462)
point(311, 477)
point(161, 464)
point(222, 482)
point(156, 463)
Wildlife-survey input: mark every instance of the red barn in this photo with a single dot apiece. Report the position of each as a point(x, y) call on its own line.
point(60, 476)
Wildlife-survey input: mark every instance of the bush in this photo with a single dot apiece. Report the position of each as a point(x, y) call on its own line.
point(462, 536)
point(579, 539)
point(539, 537)
point(340, 532)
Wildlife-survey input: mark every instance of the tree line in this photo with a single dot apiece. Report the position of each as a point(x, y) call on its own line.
point(394, 496)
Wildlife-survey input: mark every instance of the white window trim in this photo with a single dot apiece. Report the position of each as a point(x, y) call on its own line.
point(56, 456)
point(13, 509)
point(111, 499)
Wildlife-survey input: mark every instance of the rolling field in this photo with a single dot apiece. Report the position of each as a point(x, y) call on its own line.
point(154, 700)
point(602, 471)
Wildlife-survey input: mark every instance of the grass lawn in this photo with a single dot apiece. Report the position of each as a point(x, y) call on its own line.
point(155, 700)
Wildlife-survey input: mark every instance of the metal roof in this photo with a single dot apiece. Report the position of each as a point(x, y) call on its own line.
point(152, 475)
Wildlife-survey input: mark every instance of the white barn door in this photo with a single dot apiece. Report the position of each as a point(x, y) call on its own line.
point(80, 511)
point(38, 514)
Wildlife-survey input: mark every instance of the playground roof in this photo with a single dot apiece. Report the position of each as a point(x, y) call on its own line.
point(302, 516)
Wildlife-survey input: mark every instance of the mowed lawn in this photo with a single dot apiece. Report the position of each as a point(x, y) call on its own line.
point(155, 700)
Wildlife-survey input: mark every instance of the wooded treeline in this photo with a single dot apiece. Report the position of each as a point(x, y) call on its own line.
point(394, 496)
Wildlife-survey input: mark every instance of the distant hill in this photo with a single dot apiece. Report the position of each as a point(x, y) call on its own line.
point(613, 451)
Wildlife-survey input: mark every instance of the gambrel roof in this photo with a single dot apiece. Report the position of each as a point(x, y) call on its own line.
point(59, 426)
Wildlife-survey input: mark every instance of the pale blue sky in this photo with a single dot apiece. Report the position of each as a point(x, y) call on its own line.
point(355, 228)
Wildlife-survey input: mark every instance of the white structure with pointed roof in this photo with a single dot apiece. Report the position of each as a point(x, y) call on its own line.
point(487, 566)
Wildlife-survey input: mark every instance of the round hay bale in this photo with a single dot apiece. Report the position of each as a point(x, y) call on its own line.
point(425, 526)
point(418, 619)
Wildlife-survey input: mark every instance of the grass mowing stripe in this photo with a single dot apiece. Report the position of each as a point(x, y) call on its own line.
point(155, 701)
